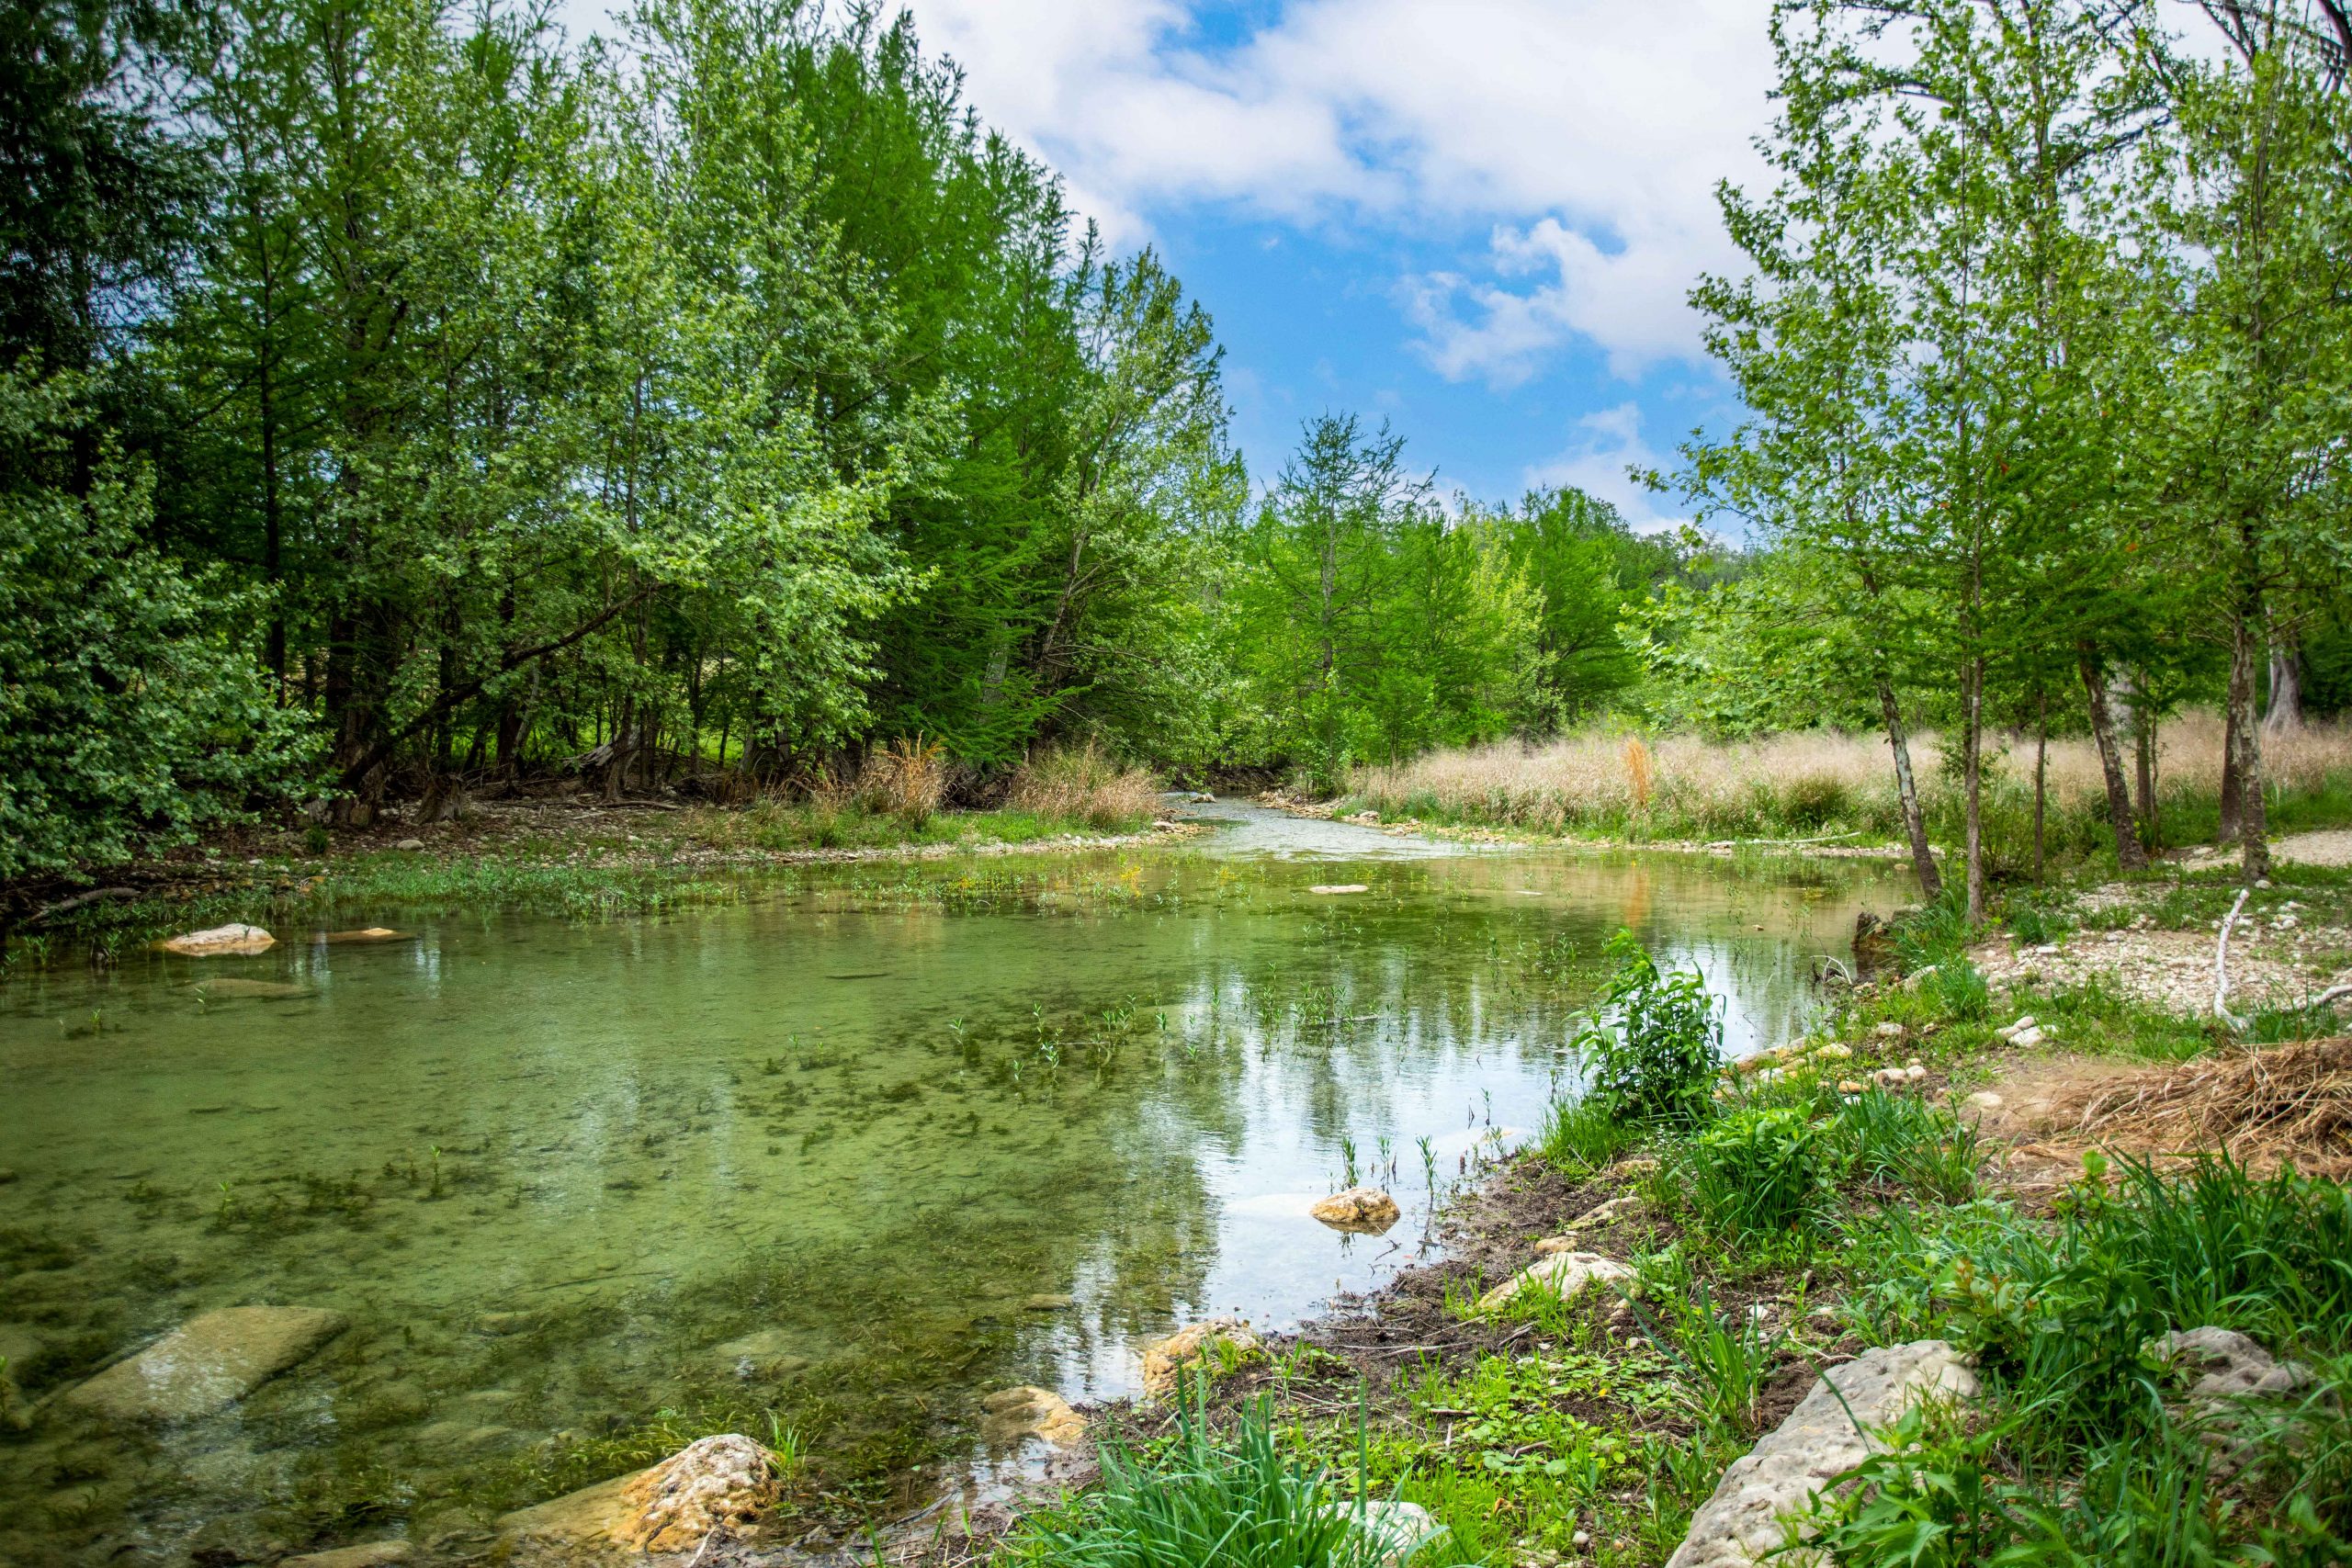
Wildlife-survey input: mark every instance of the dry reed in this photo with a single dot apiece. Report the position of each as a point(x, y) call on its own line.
point(2280, 1104)
point(1600, 779)
point(1082, 783)
point(907, 779)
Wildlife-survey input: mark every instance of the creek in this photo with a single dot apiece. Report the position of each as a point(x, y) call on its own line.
point(837, 1160)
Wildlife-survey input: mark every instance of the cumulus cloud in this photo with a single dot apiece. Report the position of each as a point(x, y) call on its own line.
point(1604, 445)
point(1587, 134)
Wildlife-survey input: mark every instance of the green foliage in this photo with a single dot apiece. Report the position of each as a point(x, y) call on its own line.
point(1653, 1050)
point(131, 713)
point(1758, 1169)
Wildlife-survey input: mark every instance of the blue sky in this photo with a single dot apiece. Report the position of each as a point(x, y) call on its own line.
point(1475, 218)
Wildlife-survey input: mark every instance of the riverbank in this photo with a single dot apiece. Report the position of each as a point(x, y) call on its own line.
point(2039, 1168)
point(552, 854)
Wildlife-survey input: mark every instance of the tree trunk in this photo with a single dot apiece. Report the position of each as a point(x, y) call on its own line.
point(2246, 737)
point(1907, 790)
point(2285, 713)
point(2129, 854)
point(1972, 778)
point(2232, 806)
point(2144, 779)
point(2040, 780)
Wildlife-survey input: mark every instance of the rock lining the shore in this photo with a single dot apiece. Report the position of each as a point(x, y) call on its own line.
point(1209, 1340)
point(1566, 1275)
point(1747, 1519)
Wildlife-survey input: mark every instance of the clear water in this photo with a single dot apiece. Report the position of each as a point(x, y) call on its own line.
point(803, 1163)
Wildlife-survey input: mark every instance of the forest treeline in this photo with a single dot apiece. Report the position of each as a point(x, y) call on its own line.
point(398, 400)
point(398, 395)
point(2044, 338)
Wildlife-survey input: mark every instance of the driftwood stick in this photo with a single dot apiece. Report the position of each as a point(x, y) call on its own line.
point(2221, 966)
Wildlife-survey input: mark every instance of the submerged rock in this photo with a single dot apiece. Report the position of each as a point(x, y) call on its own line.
point(1028, 1410)
point(232, 986)
point(1745, 1522)
point(1211, 1343)
point(728, 1481)
point(770, 1353)
point(1366, 1210)
point(1046, 1303)
point(369, 934)
point(208, 1364)
point(1340, 887)
point(220, 942)
point(369, 1555)
point(1566, 1275)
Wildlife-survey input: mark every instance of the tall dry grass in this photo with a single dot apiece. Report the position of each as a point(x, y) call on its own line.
point(1820, 781)
point(1083, 784)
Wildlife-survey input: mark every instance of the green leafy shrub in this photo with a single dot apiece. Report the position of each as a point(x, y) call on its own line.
point(1655, 1061)
point(1758, 1169)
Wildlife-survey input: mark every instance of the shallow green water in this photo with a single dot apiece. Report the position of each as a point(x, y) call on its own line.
point(806, 1159)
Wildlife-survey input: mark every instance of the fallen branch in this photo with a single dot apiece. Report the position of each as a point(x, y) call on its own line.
point(65, 906)
point(2222, 967)
point(2332, 994)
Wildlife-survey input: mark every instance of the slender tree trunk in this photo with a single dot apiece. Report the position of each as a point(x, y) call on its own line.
point(2233, 803)
point(1972, 771)
point(2245, 735)
point(2129, 854)
point(1907, 790)
point(2040, 779)
point(2143, 781)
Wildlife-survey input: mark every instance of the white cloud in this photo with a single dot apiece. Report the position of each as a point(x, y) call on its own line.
point(1605, 446)
point(1588, 134)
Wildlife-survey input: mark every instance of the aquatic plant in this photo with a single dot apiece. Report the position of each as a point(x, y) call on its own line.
point(1653, 1052)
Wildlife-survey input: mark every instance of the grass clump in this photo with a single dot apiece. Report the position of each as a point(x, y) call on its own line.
point(1198, 1500)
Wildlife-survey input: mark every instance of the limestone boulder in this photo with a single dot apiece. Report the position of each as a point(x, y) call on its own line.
point(1833, 1430)
point(1210, 1343)
point(1027, 1411)
point(208, 1364)
point(1365, 1210)
point(1592, 1219)
point(1566, 1275)
point(725, 1482)
point(1402, 1530)
point(220, 942)
point(2228, 1366)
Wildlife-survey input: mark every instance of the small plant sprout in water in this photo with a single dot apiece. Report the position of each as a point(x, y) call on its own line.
point(1348, 1153)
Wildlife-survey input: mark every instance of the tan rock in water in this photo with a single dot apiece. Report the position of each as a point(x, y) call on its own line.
point(727, 1481)
point(1366, 1210)
point(1027, 1411)
point(367, 933)
point(1210, 1343)
point(220, 942)
point(208, 1364)
point(1328, 887)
